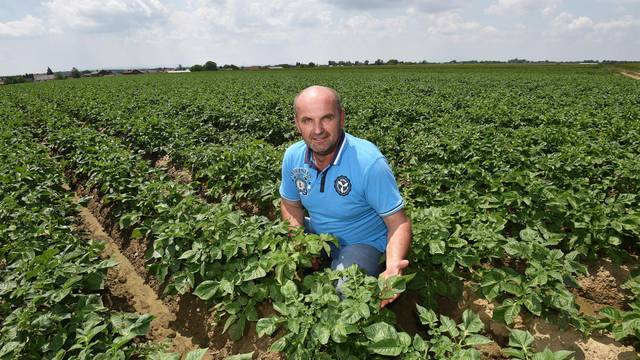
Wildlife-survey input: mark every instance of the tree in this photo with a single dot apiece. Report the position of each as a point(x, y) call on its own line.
point(392, 62)
point(311, 64)
point(196, 68)
point(75, 73)
point(210, 66)
point(59, 76)
point(366, 62)
point(379, 62)
point(49, 71)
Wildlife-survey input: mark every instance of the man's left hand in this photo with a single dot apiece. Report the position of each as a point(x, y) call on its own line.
point(394, 268)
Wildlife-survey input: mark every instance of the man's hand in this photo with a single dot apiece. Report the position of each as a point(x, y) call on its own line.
point(394, 268)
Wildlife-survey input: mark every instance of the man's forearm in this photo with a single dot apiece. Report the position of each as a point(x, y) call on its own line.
point(398, 243)
point(292, 212)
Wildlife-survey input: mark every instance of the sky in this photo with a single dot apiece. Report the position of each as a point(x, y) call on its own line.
point(96, 34)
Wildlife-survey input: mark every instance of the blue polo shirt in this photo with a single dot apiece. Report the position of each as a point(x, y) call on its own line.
point(350, 197)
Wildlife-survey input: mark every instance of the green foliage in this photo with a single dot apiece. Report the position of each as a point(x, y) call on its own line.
point(514, 177)
point(520, 347)
point(50, 281)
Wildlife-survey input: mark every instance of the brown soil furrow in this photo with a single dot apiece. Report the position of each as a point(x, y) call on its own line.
point(189, 315)
point(631, 74)
point(124, 282)
point(596, 346)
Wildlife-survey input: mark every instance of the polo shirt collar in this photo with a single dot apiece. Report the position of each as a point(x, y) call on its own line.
point(308, 159)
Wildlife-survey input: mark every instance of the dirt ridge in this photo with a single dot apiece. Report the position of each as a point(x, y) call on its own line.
point(125, 283)
point(189, 316)
point(630, 74)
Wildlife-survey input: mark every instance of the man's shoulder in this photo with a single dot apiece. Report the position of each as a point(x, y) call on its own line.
point(296, 149)
point(366, 152)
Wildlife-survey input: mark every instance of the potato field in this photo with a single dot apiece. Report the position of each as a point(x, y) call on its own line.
point(139, 217)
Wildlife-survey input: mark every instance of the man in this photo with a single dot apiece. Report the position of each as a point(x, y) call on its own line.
point(346, 186)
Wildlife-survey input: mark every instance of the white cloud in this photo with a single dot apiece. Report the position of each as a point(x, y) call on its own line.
point(427, 6)
point(566, 23)
point(103, 16)
point(625, 22)
point(503, 7)
point(28, 26)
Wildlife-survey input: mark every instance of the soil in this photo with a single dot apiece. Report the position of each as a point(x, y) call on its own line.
point(185, 320)
point(127, 291)
point(602, 285)
point(596, 346)
point(179, 175)
point(630, 74)
point(188, 322)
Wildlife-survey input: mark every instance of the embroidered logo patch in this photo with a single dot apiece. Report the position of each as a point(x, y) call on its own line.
point(342, 185)
point(301, 178)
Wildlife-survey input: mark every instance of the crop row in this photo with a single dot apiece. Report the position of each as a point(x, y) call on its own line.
point(51, 280)
point(533, 177)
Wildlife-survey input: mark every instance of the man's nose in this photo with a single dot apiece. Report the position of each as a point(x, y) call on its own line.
point(317, 127)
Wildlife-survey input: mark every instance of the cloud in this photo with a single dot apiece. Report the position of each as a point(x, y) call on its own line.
point(503, 7)
point(584, 29)
point(103, 16)
point(28, 26)
point(428, 6)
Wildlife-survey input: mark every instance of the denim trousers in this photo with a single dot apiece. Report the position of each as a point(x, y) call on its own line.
point(366, 257)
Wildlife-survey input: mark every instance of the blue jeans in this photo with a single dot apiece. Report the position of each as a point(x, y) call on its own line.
point(366, 257)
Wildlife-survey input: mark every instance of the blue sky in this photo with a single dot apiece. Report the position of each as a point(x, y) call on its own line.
point(93, 34)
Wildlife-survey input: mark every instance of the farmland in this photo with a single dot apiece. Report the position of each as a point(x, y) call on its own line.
point(522, 184)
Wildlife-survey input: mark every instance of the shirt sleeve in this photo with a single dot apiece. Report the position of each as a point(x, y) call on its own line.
point(288, 189)
point(381, 189)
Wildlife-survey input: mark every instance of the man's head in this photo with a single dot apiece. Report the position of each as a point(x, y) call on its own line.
point(319, 117)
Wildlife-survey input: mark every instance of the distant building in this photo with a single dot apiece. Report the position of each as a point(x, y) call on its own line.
point(275, 67)
point(132, 72)
point(43, 77)
point(1, 81)
point(178, 71)
point(98, 73)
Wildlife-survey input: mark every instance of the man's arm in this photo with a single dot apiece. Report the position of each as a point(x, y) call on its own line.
point(292, 211)
point(398, 244)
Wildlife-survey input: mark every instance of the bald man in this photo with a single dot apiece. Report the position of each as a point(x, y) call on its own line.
point(346, 186)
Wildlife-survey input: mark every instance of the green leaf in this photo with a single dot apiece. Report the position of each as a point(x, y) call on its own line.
point(533, 303)
point(476, 339)
point(266, 326)
point(513, 353)
point(247, 356)
point(387, 347)
point(419, 344)
point(520, 339)
point(254, 272)
point(196, 354)
point(471, 322)
point(322, 333)
point(236, 331)
point(448, 325)
point(206, 290)
point(437, 247)
point(380, 331)
point(427, 317)
point(339, 333)
point(279, 345)
point(289, 290)
point(506, 312)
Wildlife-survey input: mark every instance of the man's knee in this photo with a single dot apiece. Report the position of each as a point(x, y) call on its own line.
point(366, 257)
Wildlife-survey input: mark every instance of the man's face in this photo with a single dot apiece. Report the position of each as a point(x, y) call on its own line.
point(319, 121)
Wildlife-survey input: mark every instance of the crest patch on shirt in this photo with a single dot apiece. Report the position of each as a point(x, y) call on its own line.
point(342, 185)
point(301, 178)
